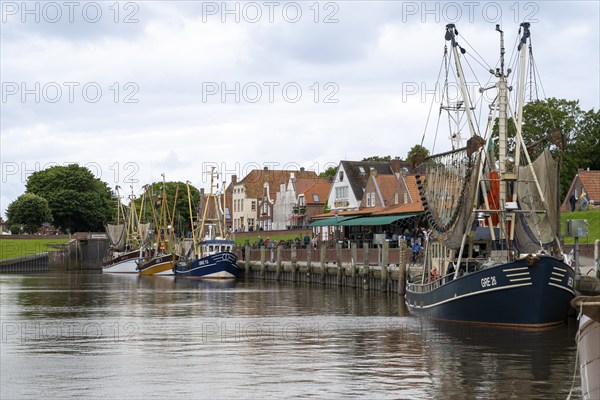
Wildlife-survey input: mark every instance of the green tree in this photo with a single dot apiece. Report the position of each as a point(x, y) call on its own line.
point(30, 210)
point(416, 155)
point(181, 219)
point(328, 173)
point(574, 135)
point(378, 158)
point(78, 200)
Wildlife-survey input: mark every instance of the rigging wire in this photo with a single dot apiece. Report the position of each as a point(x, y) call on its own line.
point(433, 99)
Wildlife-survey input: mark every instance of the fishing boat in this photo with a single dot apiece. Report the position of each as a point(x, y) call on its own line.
point(210, 253)
point(162, 256)
point(588, 344)
point(493, 255)
point(127, 237)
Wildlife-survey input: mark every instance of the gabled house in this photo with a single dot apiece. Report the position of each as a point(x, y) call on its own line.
point(584, 191)
point(350, 182)
point(254, 197)
point(382, 191)
point(311, 195)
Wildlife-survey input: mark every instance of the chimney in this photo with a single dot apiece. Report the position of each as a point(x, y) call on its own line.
point(265, 168)
point(396, 166)
point(233, 179)
point(301, 169)
point(373, 172)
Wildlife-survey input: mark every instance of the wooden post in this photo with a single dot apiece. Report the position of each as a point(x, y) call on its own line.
point(338, 259)
point(323, 268)
point(366, 266)
point(309, 263)
point(247, 262)
point(353, 251)
point(278, 265)
point(263, 265)
point(384, 266)
point(402, 269)
point(294, 262)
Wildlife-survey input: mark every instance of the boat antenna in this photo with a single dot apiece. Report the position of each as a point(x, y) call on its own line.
point(502, 50)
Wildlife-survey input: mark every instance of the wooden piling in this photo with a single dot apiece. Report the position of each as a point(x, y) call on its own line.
point(402, 269)
point(263, 264)
point(353, 251)
point(366, 266)
point(294, 263)
point(247, 261)
point(338, 260)
point(323, 267)
point(278, 265)
point(384, 266)
point(309, 263)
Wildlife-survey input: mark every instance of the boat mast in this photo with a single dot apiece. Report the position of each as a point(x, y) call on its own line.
point(502, 140)
point(451, 33)
point(187, 184)
point(520, 104)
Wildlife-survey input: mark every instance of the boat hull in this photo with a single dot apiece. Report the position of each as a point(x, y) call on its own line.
point(216, 266)
point(123, 264)
point(162, 265)
point(589, 357)
point(529, 293)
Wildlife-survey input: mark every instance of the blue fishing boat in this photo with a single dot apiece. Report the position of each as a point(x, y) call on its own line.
point(493, 255)
point(213, 256)
point(217, 261)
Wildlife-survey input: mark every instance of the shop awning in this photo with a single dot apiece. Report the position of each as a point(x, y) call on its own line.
point(296, 217)
point(333, 221)
point(376, 220)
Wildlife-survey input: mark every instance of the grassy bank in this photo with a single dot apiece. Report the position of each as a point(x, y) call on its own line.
point(11, 248)
point(593, 218)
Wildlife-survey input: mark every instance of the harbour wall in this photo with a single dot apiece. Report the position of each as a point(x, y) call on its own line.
point(382, 269)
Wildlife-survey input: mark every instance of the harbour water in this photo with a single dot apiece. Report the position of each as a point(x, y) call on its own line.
point(89, 335)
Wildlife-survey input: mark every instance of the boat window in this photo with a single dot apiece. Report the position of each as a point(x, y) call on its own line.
point(210, 248)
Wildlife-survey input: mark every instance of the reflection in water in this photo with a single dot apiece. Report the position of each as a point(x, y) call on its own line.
point(118, 336)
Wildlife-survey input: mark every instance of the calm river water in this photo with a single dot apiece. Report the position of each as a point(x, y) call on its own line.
point(86, 335)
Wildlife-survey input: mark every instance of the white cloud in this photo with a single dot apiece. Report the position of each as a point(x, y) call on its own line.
point(174, 51)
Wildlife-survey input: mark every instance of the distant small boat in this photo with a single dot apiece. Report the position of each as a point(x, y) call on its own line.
point(211, 257)
point(588, 345)
point(128, 237)
point(163, 256)
point(125, 262)
point(159, 265)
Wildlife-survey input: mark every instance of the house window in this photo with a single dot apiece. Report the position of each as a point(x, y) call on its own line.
point(253, 205)
point(368, 200)
point(301, 200)
point(316, 198)
point(341, 176)
point(396, 198)
point(373, 199)
point(405, 198)
point(362, 170)
point(341, 193)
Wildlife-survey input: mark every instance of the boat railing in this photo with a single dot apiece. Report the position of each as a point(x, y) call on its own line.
point(426, 287)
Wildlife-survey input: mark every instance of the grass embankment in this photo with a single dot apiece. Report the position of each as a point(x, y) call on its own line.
point(593, 218)
point(11, 248)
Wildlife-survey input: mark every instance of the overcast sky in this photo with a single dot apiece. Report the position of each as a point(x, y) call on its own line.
point(136, 89)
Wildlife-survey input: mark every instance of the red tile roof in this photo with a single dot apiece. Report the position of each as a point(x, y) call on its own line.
point(321, 189)
point(591, 183)
point(254, 181)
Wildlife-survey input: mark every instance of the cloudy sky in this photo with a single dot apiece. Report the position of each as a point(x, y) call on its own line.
point(135, 89)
